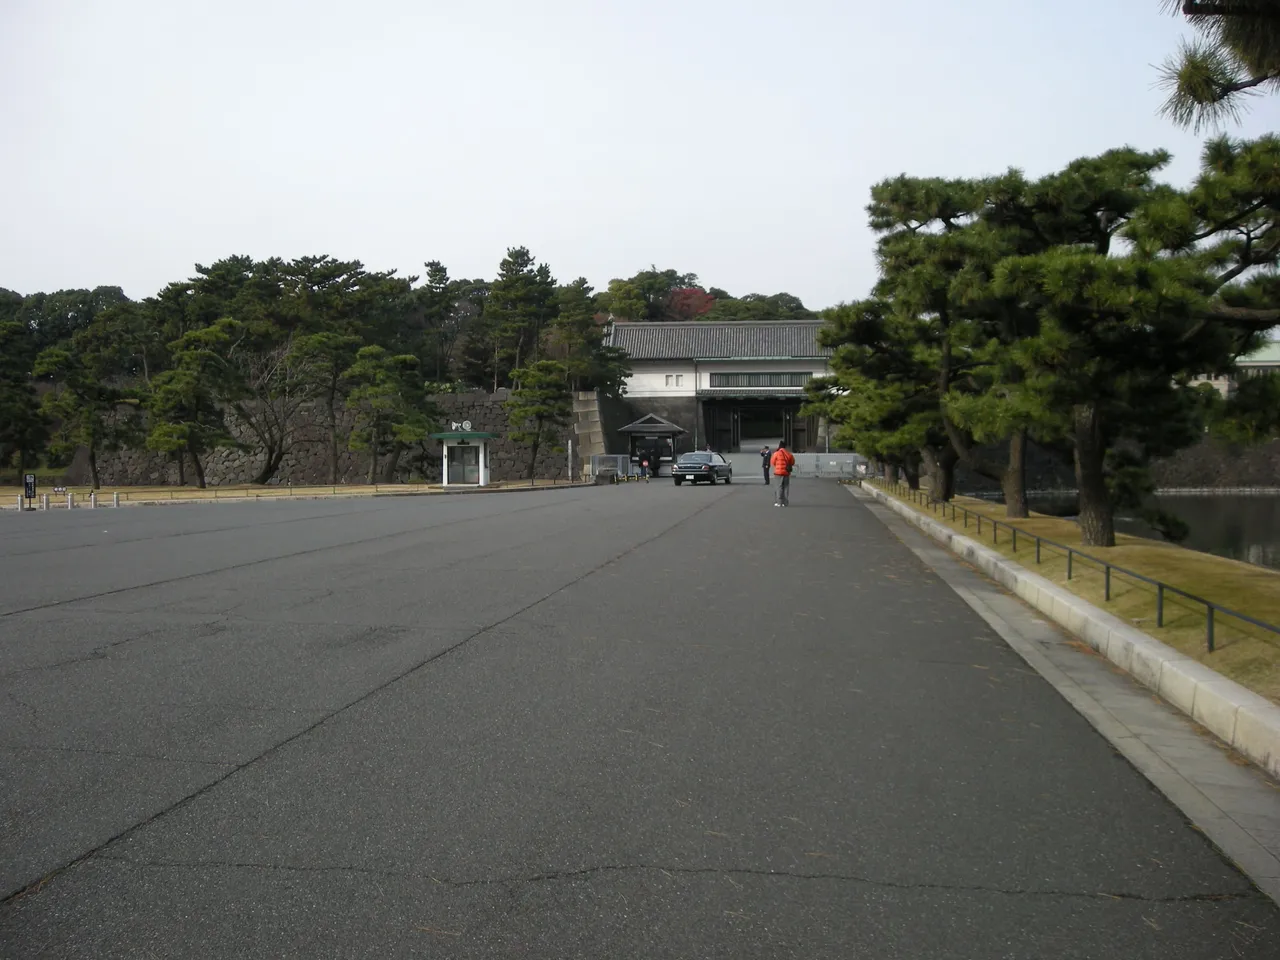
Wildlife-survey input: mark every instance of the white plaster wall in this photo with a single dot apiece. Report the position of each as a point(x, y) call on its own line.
point(649, 378)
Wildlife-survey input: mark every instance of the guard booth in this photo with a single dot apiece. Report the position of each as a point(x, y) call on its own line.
point(465, 456)
point(652, 437)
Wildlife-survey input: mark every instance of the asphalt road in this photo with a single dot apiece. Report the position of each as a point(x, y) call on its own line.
point(633, 721)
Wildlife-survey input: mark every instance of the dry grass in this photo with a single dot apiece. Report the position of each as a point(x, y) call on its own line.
point(1247, 654)
point(164, 494)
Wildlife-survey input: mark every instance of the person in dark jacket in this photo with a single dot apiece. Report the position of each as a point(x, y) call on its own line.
point(764, 463)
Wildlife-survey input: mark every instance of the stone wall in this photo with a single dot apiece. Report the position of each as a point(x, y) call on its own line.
point(1045, 470)
point(508, 460)
point(307, 459)
point(1210, 463)
point(305, 462)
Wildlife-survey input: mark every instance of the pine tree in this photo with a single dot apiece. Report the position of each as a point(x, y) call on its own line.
point(392, 410)
point(519, 308)
point(883, 396)
point(23, 426)
point(91, 399)
point(578, 336)
point(185, 417)
point(1235, 54)
point(539, 402)
point(1123, 330)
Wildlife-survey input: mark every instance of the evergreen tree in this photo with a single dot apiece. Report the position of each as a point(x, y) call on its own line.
point(540, 402)
point(185, 417)
point(883, 396)
point(392, 410)
point(519, 308)
point(578, 336)
point(91, 399)
point(323, 358)
point(1235, 54)
point(23, 426)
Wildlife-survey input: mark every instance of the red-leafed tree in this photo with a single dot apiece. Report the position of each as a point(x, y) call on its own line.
point(688, 303)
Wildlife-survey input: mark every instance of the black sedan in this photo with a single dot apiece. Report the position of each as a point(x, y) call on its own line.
point(702, 467)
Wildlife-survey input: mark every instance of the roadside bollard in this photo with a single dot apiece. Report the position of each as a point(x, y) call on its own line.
point(93, 499)
point(71, 501)
point(115, 499)
point(44, 501)
point(22, 505)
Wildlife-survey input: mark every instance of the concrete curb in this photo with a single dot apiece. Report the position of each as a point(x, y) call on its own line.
point(1250, 723)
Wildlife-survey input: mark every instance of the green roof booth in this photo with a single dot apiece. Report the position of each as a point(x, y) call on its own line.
point(465, 457)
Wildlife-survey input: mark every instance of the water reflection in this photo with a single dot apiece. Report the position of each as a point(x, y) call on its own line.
point(1229, 525)
point(1242, 528)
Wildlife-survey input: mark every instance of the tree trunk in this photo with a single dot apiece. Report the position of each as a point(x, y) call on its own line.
point(911, 472)
point(182, 469)
point(1014, 481)
point(374, 435)
point(330, 402)
point(1097, 521)
point(941, 470)
point(93, 467)
point(393, 461)
point(275, 454)
point(198, 467)
point(891, 472)
point(533, 458)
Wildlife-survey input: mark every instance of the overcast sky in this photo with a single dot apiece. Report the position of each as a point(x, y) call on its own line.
point(730, 138)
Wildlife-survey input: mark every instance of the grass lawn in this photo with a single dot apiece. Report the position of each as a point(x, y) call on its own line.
point(1247, 654)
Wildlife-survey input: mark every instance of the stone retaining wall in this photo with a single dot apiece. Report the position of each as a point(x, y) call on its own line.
point(1208, 464)
point(307, 459)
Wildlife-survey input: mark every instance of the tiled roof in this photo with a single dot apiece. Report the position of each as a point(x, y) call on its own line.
point(695, 340)
point(652, 423)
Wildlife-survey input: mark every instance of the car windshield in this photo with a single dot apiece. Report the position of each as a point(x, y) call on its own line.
point(695, 458)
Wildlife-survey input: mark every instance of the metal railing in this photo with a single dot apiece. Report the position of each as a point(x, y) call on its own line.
point(1072, 554)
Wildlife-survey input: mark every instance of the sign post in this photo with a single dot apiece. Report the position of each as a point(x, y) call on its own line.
point(29, 489)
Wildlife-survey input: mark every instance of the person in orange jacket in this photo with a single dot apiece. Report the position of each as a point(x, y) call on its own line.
point(783, 463)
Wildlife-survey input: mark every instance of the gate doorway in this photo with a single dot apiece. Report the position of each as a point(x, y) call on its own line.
point(749, 424)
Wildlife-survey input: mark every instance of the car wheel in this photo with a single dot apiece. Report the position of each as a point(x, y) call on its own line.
point(678, 481)
point(729, 478)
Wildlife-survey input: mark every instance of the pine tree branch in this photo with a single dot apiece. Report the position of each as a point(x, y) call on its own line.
point(1260, 318)
point(1257, 319)
point(1239, 86)
point(964, 449)
point(1230, 222)
point(1250, 259)
point(1205, 8)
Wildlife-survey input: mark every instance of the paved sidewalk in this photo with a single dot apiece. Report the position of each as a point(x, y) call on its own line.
point(1233, 802)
